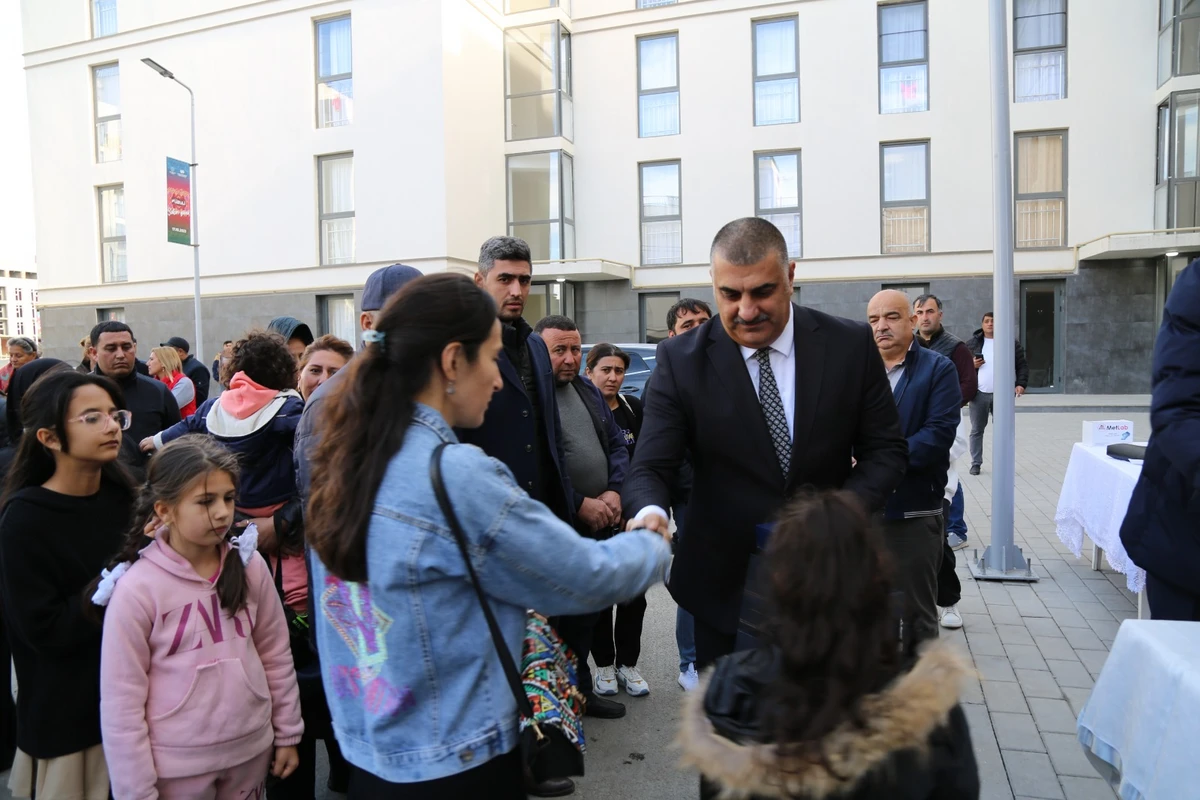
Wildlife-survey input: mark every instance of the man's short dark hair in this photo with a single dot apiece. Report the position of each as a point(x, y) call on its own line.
point(987, 314)
point(925, 298)
point(110, 326)
point(227, 341)
point(555, 322)
point(748, 241)
point(689, 304)
point(503, 248)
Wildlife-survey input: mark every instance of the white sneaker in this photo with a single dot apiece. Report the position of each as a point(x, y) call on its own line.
point(950, 618)
point(689, 680)
point(635, 684)
point(605, 681)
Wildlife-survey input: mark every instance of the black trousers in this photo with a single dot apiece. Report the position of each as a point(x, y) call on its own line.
point(949, 587)
point(619, 641)
point(314, 709)
point(576, 633)
point(1169, 602)
point(916, 547)
point(499, 779)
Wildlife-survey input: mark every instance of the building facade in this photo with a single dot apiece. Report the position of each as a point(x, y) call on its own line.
point(617, 136)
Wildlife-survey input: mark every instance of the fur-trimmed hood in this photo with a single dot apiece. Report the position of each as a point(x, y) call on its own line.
point(900, 717)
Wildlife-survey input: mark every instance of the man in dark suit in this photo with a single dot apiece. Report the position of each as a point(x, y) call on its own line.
point(767, 397)
point(1161, 530)
point(926, 387)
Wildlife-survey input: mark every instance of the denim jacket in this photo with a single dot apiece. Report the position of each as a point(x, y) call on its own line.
point(414, 685)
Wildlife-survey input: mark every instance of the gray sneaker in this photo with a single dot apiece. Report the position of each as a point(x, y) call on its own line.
point(957, 542)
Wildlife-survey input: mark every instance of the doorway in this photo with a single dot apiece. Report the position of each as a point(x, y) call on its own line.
point(1041, 333)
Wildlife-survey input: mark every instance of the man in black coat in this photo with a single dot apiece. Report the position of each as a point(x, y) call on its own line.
point(768, 397)
point(1161, 531)
point(154, 409)
point(196, 372)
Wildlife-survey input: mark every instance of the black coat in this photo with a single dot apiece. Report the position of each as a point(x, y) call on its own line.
point(976, 348)
point(916, 744)
point(200, 376)
point(703, 401)
point(154, 410)
point(1161, 531)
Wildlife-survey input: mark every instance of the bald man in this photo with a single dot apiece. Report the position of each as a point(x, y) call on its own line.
point(928, 400)
point(768, 397)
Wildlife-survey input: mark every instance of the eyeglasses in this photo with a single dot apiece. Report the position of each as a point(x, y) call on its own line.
point(92, 419)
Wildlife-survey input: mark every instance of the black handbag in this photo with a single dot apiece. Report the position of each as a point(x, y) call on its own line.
point(547, 749)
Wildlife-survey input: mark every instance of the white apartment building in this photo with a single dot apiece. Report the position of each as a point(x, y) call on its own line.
point(617, 136)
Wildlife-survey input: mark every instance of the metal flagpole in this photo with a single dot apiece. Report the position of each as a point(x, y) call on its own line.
point(1002, 560)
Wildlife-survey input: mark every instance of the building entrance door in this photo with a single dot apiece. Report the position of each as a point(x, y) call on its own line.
point(1041, 333)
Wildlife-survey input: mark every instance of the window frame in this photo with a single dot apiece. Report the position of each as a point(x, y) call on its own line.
point(100, 190)
point(664, 90)
point(798, 209)
point(341, 76)
point(928, 204)
point(643, 315)
point(1066, 15)
point(97, 119)
point(322, 217)
point(666, 218)
point(562, 88)
point(755, 78)
point(563, 219)
point(1018, 196)
point(880, 8)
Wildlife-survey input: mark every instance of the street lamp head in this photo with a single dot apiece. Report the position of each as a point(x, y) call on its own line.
point(159, 68)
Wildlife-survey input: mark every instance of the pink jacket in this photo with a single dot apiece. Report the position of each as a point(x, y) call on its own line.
point(185, 688)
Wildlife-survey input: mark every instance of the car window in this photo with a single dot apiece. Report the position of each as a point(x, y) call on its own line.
point(637, 363)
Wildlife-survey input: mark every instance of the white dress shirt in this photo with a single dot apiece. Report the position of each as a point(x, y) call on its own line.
point(783, 365)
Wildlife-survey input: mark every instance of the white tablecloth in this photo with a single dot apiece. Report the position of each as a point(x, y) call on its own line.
point(1142, 721)
point(1094, 498)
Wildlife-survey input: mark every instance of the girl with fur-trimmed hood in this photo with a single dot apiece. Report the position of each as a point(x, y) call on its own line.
point(830, 706)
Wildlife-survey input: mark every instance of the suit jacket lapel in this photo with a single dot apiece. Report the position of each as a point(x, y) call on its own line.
point(730, 367)
point(810, 366)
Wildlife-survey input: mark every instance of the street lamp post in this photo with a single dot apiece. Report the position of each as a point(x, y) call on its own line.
point(166, 73)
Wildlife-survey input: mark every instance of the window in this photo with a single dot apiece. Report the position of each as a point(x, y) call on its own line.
point(905, 197)
point(913, 290)
point(20, 311)
point(655, 3)
point(112, 234)
point(20, 329)
point(1178, 38)
point(654, 308)
point(110, 314)
point(3, 294)
point(104, 18)
point(1041, 190)
point(338, 317)
point(658, 85)
point(903, 58)
point(335, 81)
point(777, 194)
point(1178, 180)
point(106, 83)
point(551, 298)
point(662, 217)
point(1162, 171)
point(18, 294)
point(537, 74)
point(3, 327)
point(1039, 50)
point(541, 203)
point(776, 72)
point(336, 204)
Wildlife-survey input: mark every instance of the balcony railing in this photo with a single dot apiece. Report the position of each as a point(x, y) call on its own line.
point(906, 229)
point(1040, 223)
point(662, 242)
point(337, 239)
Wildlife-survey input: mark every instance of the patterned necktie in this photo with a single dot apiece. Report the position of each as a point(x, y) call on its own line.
point(772, 406)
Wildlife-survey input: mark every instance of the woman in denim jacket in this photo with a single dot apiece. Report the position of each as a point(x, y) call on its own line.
point(421, 706)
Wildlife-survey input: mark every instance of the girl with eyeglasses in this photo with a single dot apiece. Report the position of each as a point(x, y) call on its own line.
point(65, 509)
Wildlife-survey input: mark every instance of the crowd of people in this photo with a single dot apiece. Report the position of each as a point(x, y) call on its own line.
point(197, 588)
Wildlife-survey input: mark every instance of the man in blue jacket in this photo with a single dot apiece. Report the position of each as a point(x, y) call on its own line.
point(928, 398)
point(1161, 531)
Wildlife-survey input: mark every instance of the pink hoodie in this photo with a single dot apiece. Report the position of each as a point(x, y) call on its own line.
point(185, 688)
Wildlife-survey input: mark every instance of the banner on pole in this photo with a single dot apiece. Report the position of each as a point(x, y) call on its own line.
point(179, 202)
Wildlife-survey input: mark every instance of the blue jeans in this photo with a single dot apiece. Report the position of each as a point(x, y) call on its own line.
point(685, 638)
point(955, 522)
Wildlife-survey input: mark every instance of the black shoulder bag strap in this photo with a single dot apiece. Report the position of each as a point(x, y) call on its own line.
point(506, 659)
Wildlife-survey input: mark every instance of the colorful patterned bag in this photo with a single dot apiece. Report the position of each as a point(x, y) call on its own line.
point(546, 689)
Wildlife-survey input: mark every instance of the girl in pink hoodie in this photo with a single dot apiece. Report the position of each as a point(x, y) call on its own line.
point(198, 692)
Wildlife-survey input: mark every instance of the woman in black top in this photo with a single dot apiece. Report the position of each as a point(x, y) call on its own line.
point(66, 507)
point(617, 645)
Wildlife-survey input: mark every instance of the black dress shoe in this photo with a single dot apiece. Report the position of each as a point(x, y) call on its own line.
point(554, 787)
point(602, 708)
point(974, 469)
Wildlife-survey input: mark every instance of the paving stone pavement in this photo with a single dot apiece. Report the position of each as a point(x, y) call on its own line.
point(1037, 647)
